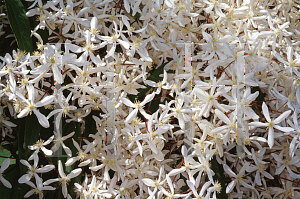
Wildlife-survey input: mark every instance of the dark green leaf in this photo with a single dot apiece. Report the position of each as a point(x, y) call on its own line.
point(19, 23)
point(218, 177)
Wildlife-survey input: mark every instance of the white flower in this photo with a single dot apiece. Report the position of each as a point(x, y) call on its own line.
point(271, 124)
point(38, 188)
point(33, 170)
point(31, 105)
point(64, 179)
point(138, 106)
point(40, 145)
point(286, 162)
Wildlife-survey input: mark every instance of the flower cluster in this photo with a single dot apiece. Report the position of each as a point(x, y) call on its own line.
point(162, 114)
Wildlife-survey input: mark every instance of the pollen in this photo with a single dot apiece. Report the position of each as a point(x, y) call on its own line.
point(218, 186)
point(138, 105)
point(271, 123)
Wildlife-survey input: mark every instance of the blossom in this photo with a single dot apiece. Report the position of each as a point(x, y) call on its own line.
point(138, 106)
point(64, 179)
point(38, 188)
point(31, 105)
point(33, 170)
point(271, 124)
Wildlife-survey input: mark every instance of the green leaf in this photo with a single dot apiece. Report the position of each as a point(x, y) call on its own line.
point(28, 134)
point(12, 174)
point(19, 23)
point(6, 153)
point(32, 131)
point(218, 177)
point(90, 124)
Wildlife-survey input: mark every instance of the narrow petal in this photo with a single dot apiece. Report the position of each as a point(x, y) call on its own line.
point(284, 129)
point(222, 116)
point(47, 100)
point(45, 169)
point(148, 182)
point(282, 117)
point(47, 152)
point(265, 111)
point(176, 171)
point(147, 99)
point(5, 164)
point(230, 186)
point(42, 119)
point(74, 173)
point(271, 137)
point(60, 169)
point(127, 102)
point(153, 147)
point(279, 170)
point(5, 182)
point(131, 115)
point(229, 171)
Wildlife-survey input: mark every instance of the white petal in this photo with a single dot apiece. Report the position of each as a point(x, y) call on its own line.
point(24, 178)
point(47, 152)
point(153, 147)
point(176, 171)
point(229, 171)
point(75, 49)
point(222, 116)
point(5, 164)
point(42, 119)
point(131, 115)
point(57, 75)
point(265, 111)
point(94, 23)
point(148, 182)
point(266, 174)
point(246, 185)
point(127, 102)
point(5, 182)
point(257, 124)
point(23, 113)
point(125, 44)
point(74, 173)
point(279, 170)
point(45, 169)
point(64, 190)
point(284, 129)
point(271, 137)
point(71, 161)
point(147, 99)
point(29, 193)
point(127, 6)
point(192, 187)
point(47, 100)
point(67, 150)
point(258, 178)
point(230, 186)
point(51, 181)
point(60, 169)
point(282, 117)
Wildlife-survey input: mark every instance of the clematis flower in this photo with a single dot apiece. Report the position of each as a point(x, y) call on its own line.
point(138, 106)
point(271, 124)
point(33, 170)
point(31, 105)
point(64, 179)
